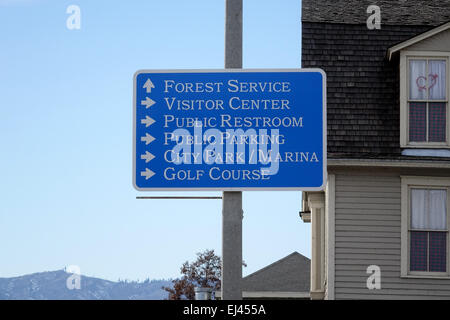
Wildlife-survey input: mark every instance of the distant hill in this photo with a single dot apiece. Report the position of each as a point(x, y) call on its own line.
point(52, 286)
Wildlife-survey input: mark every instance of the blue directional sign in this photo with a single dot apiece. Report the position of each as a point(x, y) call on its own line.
point(229, 130)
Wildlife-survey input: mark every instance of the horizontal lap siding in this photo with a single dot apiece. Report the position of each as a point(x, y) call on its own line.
point(367, 232)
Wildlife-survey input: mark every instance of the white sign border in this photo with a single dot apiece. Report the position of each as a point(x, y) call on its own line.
point(324, 133)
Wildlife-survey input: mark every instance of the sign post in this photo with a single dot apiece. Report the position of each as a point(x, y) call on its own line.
point(232, 213)
point(230, 130)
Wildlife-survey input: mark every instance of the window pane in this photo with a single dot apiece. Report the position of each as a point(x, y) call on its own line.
point(437, 80)
point(417, 121)
point(418, 251)
point(417, 79)
point(438, 251)
point(428, 209)
point(437, 210)
point(437, 120)
point(418, 208)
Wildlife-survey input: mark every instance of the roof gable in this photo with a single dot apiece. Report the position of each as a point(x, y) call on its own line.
point(445, 28)
point(289, 274)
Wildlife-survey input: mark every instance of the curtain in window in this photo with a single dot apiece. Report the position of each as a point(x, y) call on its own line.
point(418, 79)
point(437, 80)
point(418, 209)
point(437, 218)
point(428, 209)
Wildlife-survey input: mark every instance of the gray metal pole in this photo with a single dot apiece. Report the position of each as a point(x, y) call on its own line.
point(232, 246)
point(233, 34)
point(232, 201)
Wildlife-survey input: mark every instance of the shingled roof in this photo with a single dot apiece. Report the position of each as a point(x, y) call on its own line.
point(290, 274)
point(363, 117)
point(393, 12)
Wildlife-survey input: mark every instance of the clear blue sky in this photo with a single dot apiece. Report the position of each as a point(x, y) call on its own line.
point(66, 195)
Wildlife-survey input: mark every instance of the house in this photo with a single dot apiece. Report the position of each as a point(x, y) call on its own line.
point(380, 228)
point(287, 278)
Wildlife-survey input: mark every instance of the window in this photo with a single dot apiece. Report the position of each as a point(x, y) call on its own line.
point(427, 100)
point(425, 226)
point(428, 230)
point(424, 101)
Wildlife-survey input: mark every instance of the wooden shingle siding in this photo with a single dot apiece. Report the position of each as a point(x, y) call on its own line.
point(363, 113)
point(367, 219)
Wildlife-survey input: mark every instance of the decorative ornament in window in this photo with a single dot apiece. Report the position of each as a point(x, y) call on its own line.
point(427, 100)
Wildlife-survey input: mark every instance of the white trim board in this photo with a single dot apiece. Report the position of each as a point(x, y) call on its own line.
point(330, 215)
point(271, 294)
point(388, 163)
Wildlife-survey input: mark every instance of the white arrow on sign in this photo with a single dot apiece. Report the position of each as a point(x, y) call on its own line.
point(147, 139)
point(147, 157)
point(147, 121)
point(147, 102)
point(147, 173)
point(149, 85)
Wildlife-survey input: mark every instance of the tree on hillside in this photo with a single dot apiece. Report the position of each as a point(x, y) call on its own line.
point(204, 272)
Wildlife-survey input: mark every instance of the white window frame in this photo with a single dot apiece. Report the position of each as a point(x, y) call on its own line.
point(405, 56)
point(407, 183)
